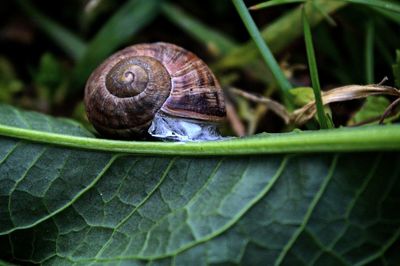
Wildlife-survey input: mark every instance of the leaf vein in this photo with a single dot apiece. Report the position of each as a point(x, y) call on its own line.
point(73, 200)
point(10, 151)
point(352, 204)
point(21, 118)
point(308, 213)
point(19, 180)
point(163, 177)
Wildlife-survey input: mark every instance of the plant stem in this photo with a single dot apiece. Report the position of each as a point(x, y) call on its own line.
point(374, 138)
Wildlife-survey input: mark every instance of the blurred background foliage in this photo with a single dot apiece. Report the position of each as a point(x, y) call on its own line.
point(48, 50)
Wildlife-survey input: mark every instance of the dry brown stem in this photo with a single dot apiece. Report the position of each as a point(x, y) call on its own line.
point(274, 106)
point(341, 94)
point(346, 93)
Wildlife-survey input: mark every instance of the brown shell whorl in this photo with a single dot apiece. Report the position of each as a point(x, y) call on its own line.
point(128, 78)
point(123, 94)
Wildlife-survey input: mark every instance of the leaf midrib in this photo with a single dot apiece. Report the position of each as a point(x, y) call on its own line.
point(345, 139)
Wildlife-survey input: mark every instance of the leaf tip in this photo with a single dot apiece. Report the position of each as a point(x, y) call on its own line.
point(254, 7)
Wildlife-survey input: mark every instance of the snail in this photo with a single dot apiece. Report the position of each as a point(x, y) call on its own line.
point(157, 88)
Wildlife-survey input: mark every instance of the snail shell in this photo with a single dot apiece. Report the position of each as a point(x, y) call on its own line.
point(125, 92)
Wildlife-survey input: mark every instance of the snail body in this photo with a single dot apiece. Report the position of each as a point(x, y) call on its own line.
point(124, 94)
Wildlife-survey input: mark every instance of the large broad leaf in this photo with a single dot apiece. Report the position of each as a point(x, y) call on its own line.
point(73, 199)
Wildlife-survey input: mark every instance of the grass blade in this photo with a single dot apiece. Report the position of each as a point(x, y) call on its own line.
point(369, 52)
point(384, 4)
point(70, 43)
point(266, 54)
point(284, 2)
point(275, 3)
point(312, 63)
point(372, 3)
point(393, 16)
point(326, 15)
point(288, 26)
point(129, 19)
point(216, 41)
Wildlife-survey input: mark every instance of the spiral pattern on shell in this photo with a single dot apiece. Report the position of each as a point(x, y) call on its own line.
point(125, 92)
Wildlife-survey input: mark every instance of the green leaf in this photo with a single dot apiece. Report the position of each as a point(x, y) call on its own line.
point(302, 95)
point(50, 73)
point(9, 83)
point(70, 205)
point(50, 80)
point(14, 118)
point(372, 109)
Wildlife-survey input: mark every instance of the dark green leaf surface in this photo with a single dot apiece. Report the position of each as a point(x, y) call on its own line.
point(63, 205)
point(13, 117)
point(372, 109)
